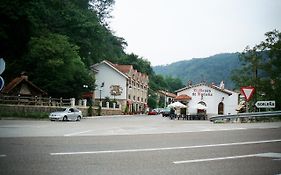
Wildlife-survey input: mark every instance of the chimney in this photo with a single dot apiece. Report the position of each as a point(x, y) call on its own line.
point(24, 75)
point(189, 83)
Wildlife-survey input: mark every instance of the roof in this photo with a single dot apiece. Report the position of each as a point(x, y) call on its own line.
point(226, 91)
point(15, 82)
point(123, 69)
point(169, 94)
point(183, 97)
point(110, 65)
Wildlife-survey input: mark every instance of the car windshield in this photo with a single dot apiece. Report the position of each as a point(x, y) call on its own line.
point(61, 110)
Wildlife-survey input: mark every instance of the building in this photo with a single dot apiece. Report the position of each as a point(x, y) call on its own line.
point(21, 86)
point(167, 97)
point(208, 99)
point(122, 83)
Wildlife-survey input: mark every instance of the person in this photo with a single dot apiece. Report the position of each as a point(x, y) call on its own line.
point(178, 112)
point(172, 113)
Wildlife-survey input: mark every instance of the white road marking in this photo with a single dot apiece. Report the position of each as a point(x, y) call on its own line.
point(211, 159)
point(121, 132)
point(270, 155)
point(77, 133)
point(167, 148)
point(3, 155)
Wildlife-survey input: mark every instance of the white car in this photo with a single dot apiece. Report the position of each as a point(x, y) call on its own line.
point(66, 114)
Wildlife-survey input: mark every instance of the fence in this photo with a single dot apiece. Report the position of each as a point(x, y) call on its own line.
point(247, 115)
point(40, 101)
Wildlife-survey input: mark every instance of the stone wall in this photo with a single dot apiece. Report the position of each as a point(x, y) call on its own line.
point(49, 109)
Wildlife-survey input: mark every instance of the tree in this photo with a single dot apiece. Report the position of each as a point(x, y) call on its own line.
point(261, 68)
point(63, 32)
point(54, 65)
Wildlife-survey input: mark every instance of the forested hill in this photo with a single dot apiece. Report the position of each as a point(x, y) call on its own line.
point(211, 69)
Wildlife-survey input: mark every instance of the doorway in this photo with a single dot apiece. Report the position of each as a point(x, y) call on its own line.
point(221, 108)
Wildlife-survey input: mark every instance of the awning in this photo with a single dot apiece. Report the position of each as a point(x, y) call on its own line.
point(183, 98)
point(87, 95)
point(177, 105)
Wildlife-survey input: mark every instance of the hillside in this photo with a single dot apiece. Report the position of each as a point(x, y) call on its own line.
point(211, 69)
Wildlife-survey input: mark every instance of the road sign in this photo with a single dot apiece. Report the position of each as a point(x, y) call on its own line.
point(1, 83)
point(2, 65)
point(265, 104)
point(248, 92)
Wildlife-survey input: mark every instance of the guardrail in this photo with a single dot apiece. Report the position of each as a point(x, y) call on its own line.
point(247, 115)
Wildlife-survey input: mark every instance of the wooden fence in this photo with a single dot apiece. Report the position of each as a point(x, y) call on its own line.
point(35, 101)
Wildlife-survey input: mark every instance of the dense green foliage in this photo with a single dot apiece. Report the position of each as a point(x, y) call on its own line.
point(261, 69)
point(55, 42)
point(213, 69)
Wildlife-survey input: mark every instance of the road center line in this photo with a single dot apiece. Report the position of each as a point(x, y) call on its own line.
point(217, 158)
point(166, 148)
point(3, 155)
point(77, 133)
point(270, 155)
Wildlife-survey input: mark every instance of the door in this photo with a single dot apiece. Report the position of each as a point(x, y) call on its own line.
point(221, 108)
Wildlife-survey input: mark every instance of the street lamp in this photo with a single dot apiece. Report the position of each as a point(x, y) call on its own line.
point(100, 89)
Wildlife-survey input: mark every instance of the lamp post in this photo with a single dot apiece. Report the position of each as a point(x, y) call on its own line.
point(100, 89)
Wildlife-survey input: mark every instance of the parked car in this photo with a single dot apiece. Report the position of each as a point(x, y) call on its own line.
point(158, 110)
point(66, 114)
point(153, 112)
point(166, 112)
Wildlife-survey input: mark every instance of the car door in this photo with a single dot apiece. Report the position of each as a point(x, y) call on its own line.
point(71, 114)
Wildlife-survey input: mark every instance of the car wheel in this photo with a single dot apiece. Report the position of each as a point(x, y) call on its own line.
point(64, 118)
point(78, 118)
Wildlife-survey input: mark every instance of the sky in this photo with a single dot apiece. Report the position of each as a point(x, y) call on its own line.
point(167, 31)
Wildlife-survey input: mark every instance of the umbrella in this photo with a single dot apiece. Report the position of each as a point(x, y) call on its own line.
point(199, 106)
point(177, 105)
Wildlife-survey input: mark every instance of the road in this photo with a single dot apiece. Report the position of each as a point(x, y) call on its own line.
point(138, 145)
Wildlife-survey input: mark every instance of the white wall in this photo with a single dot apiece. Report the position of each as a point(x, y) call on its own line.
point(212, 98)
point(110, 77)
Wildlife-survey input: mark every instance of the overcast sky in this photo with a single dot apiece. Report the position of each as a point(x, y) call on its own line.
point(166, 31)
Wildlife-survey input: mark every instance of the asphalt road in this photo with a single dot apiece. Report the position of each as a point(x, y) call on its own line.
point(138, 145)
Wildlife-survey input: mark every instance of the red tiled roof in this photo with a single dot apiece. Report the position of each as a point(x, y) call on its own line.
point(123, 68)
point(183, 98)
point(15, 82)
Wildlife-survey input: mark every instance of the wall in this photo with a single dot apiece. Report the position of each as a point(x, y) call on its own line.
point(212, 98)
point(110, 77)
point(49, 109)
point(26, 108)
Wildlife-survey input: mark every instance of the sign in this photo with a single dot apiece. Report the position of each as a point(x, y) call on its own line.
point(1, 83)
point(248, 92)
point(265, 104)
point(202, 92)
point(2, 65)
point(116, 90)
